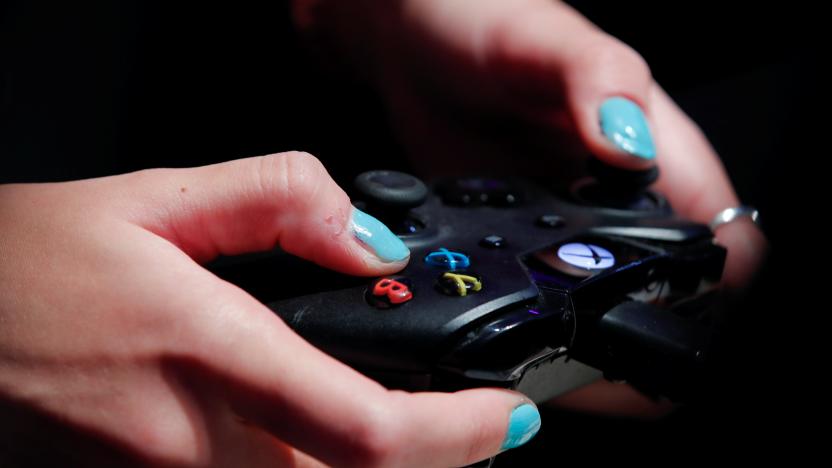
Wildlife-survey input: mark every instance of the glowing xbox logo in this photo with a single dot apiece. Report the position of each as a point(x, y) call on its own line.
point(587, 257)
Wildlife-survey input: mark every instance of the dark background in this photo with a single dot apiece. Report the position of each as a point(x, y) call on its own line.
point(113, 86)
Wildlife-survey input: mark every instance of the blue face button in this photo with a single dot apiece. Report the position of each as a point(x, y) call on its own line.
point(444, 258)
point(586, 257)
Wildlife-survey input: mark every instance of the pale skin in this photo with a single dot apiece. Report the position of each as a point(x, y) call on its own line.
point(110, 325)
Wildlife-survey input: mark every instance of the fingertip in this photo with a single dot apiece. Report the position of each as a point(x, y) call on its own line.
point(608, 86)
point(364, 247)
point(515, 419)
point(624, 125)
point(378, 239)
point(616, 130)
point(373, 266)
point(521, 415)
point(523, 424)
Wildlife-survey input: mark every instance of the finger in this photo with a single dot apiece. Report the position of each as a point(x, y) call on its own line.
point(694, 181)
point(622, 116)
point(324, 408)
point(256, 203)
point(230, 440)
point(612, 399)
point(257, 447)
point(548, 50)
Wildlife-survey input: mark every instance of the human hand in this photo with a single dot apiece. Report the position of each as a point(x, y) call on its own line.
point(492, 86)
point(530, 87)
point(110, 327)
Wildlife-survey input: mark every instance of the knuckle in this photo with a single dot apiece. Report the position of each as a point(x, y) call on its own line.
point(168, 444)
point(293, 178)
point(606, 51)
point(146, 177)
point(378, 441)
point(375, 449)
point(508, 39)
point(480, 443)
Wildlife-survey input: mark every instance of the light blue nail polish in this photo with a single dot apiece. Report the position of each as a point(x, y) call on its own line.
point(375, 235)
point(522, 426)
point(624, 124)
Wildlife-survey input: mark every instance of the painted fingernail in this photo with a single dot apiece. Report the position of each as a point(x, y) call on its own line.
point(522, 426)
point(624, 124)
point(378, 238)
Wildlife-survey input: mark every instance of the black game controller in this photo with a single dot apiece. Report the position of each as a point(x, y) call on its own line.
point(512, 284)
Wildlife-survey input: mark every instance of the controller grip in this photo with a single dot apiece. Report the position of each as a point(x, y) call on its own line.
point(655, 349)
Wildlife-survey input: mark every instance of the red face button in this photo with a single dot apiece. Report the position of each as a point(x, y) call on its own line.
point(388, 292)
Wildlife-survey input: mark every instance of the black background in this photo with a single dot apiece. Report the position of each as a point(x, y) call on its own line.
point(108, 87)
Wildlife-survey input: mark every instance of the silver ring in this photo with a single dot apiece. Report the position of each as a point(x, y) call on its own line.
point(732, 214)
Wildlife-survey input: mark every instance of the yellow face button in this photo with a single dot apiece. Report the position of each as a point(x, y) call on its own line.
point(459, 284)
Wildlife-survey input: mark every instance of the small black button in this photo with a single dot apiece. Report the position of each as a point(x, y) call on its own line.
point(493, 242)
point(476, 191)
point(459, 283)
point(550, 221)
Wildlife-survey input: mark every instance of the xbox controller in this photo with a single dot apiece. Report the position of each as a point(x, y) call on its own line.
point(515, 284)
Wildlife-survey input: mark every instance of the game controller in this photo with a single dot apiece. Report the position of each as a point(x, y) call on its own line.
point(512, 283)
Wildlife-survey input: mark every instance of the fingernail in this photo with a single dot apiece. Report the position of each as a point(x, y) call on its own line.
point(522, 426)
point(624, 124)
point(378, 238)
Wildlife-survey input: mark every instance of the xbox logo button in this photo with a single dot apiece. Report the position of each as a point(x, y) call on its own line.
point(580, 259)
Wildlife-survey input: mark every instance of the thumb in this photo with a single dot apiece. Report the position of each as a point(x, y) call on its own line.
point(552, 50)
point(254, 204)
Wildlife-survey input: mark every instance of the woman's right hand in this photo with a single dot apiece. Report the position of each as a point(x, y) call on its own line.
point(110, 328)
